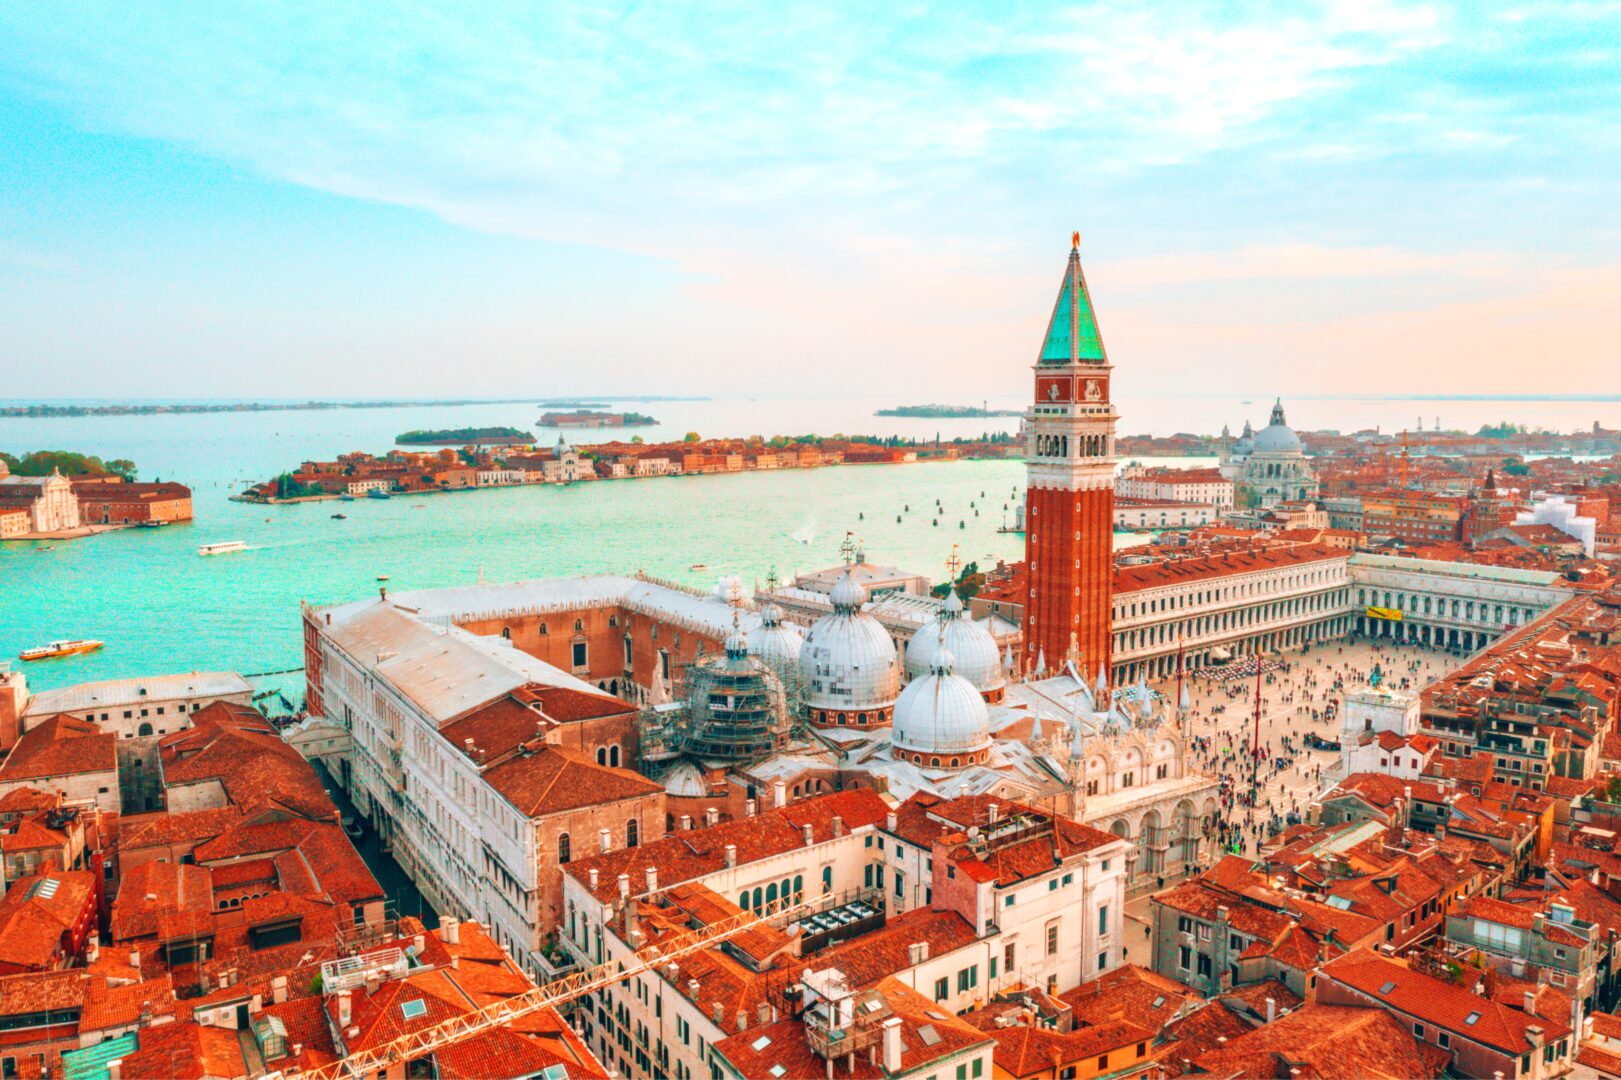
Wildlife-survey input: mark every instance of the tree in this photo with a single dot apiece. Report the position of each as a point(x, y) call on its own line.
point(122, 467)
point(637, 440)
point(691, 436)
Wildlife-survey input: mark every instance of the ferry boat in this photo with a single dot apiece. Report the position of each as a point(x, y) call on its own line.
point(378, 493)
point(224, 547)
point(153, 524)
point(60, 648)
point(346, 497)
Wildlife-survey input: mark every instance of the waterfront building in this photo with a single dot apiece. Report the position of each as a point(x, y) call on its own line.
point(1069, 520)
point(485, 768)
point(49, 501)
point(1156, 483)
point(1269, 466)
point(110, 500)
point(1145, 515)
point(149, 705)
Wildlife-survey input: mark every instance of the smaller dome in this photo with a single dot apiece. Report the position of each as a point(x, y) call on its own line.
point(847, 594)
point(686, 779)
point(737, 642)
point(973, 649)
point(776, 642)
point(941, 714)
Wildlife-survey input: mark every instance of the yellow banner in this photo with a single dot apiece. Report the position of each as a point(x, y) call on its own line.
point(1394, 614)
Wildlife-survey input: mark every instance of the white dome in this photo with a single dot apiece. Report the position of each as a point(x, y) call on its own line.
point(685, 779)
point(776, 642)
point(848, 660)
point(1277, 437)
point(972, 648)
point(847, 593)
point(940, 714)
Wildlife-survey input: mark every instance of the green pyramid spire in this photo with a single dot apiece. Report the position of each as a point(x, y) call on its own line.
point(1072, 334)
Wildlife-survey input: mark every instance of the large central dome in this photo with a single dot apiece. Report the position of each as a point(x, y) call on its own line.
point(849, 665)
point(1277, 437)
point(970, 644)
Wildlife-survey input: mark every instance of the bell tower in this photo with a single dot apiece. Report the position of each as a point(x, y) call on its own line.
point(1069, 502)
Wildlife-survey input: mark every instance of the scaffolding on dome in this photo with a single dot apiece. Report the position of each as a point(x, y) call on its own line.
point(736, 709)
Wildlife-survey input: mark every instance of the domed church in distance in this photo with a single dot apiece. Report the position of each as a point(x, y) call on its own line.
point(1269, 466)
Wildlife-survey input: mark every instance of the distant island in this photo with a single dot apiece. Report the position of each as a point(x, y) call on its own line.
point(68, 463)
point(168, 408)
point(464, 436)
point(946, 412)
point(567, 404)
point(590, 418)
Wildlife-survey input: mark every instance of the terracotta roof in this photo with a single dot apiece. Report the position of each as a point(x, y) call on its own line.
point(553, 779)
point(1326, 1041)
point(1436, 1001)
point(61, 746)
point(36, 911)
point(699, 852)
point(1130, 992)
point(1027, 1050)
point(234, 746)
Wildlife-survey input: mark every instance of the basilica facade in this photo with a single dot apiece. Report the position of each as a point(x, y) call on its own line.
point(1269, 466)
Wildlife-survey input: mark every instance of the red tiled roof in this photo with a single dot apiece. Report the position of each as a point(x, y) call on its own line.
point(61, 746)
point(1325, 1041)
point(554, 779)
point(697, 852)
point(1130, 993)
point(1436, 1001)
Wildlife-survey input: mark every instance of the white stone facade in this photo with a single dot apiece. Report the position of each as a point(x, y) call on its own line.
point(1461, 606)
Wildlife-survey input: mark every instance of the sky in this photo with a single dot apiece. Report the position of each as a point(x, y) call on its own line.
point(423, 200)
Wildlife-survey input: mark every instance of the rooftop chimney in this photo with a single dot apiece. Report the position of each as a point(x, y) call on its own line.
point(604, 839)
point(135, 959)
point(779, 792)
point(838, 825)
point(344, 1015)
point(686, 822)
point(810, 834)
point(891, 820)
point(711, 816)
point(93, 949)
point(278, 989)
point(719, 1011)
point(991, 811)
point(748, 808)
point(593, 875)
point(624, 886)
point(115, 1067)
point(450, 932)
point(692, 989)
point(892, 1045)
point(652, 879)
point(1271, 1010)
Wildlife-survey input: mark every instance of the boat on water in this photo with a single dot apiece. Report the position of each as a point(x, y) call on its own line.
point(224, 547)
point(346, 497)
point(378, 493)
point(698, 566)
point(153, 524)
point(71, 647)
point(340, 517)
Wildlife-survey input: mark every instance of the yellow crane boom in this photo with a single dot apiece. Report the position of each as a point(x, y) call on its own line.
point(366, 1063)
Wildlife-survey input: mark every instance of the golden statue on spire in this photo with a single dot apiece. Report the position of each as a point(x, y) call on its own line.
point(1075, 240)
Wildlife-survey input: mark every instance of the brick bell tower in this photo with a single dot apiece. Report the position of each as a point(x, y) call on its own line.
point(1069, 502)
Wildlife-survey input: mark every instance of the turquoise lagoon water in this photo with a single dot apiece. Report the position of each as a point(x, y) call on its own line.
point(161, 607)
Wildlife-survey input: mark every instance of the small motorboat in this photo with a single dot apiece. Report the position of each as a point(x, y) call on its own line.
point(71, 647)
point(378, 493)
point(224, 547)
point(346, 497)
point(698, 566)
point(340, 517)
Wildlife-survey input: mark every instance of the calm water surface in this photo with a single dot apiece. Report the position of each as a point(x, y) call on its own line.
point(161, 607)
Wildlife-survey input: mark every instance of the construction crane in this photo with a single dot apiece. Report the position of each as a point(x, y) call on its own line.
point(367, 1063)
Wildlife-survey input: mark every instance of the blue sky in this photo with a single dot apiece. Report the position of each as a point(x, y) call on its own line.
point(411, 199)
